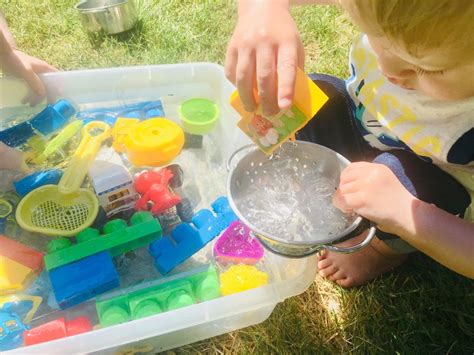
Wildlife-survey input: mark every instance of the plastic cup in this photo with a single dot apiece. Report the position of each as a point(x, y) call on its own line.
point(199, 116)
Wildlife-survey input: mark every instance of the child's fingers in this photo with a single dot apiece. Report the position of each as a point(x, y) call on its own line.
point(338, 200)
point(300, 55)
point(349, 187)
point(287, 63)
point(354, 171)
point(40, 66)
point(244, 78)
point(34, 82)
point(267, 80)
point(231, 58)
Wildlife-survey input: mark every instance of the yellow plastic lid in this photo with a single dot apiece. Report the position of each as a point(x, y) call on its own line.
point(154, 142)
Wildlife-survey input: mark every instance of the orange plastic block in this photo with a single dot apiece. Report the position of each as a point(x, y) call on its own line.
point(19, 265)
point(270, 132)
point(20, 253)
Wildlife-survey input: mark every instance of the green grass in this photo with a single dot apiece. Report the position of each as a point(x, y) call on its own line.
point(421, 308)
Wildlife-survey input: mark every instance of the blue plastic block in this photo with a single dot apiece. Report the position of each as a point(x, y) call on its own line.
point(187, 239)
point(84, 279)
point(53, 117)
point(141, 110)
point(38, 179)
point(17, 135)
point(222, 208)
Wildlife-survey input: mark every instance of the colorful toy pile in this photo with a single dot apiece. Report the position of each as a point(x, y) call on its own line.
point(100, 189)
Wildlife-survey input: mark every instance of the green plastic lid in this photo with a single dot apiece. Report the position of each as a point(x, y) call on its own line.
point(198, 115)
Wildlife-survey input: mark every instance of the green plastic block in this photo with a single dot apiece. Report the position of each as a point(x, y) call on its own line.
point(164, 295)
point(114, 311)
point(118, 238)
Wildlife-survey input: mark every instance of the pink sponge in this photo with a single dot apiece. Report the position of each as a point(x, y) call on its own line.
point(238, 245)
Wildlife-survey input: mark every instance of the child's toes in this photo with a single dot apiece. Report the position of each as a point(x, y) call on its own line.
point(328, 271)
point(322, 264)
point(338, 276)
point(323, 254)
point(346, 282)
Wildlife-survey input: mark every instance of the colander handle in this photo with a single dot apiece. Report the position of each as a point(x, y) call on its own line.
point(228, 163)
point(354, 248)
point(84, 155)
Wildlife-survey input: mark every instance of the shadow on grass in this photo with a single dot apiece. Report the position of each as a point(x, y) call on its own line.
point(133, 37)
point(420, 308)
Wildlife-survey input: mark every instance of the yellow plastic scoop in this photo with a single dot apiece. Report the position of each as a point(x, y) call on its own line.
point(66, 209)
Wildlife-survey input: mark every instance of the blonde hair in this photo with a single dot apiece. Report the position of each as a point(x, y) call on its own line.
point(419, 25)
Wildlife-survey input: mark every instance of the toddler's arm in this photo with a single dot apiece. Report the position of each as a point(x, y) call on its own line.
point(265, 50)
point(11, 159)
point(17, 63)
point(373, 191)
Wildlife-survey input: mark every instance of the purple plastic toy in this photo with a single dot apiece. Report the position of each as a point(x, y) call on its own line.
point(238, 245)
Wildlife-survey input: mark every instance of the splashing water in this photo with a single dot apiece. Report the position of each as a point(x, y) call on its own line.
point(289, 198)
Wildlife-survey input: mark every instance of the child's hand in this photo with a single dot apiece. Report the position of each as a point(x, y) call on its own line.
point(11, 159)
point(266, 48)
point(19, 64)
point(374, 192)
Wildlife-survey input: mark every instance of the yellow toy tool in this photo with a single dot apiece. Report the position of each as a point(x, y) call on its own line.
point(66, 209)
point(154, 142)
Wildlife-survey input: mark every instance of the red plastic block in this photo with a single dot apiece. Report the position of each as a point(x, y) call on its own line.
point(57, 329)
point(20, 253)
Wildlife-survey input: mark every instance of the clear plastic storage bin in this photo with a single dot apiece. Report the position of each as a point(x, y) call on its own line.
point(205, 170)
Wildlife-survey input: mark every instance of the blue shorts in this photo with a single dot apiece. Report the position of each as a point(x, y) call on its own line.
point(335, 127)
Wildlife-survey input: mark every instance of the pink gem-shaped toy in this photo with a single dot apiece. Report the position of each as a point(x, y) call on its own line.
point(238, 245)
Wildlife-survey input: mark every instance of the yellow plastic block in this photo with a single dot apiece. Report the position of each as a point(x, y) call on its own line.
point(13, 276)
point(240, 278)
point(119, 132)
point(270, 132)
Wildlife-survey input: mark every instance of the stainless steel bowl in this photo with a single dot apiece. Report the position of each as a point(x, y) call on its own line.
point(109, 16)
point(330, 164)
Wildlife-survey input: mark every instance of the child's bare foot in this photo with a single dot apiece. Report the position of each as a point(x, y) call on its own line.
point(356, 269)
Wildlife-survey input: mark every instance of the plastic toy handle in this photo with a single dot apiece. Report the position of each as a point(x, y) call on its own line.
point(228, 163)
point(61, 139)
point(84, 155)
point(354, 248)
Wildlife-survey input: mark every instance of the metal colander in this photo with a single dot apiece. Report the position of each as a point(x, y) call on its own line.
point(297, 162)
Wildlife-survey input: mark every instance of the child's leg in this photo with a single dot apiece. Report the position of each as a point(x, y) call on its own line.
point(335, 128)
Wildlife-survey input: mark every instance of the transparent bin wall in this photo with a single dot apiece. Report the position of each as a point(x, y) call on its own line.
point(172, 84)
